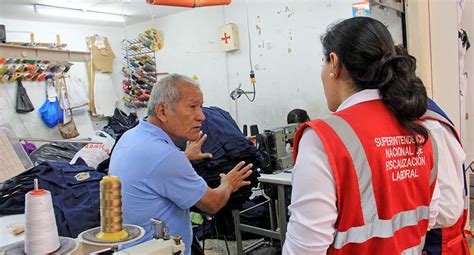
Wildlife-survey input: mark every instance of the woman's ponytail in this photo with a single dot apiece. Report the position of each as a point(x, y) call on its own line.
point(404, 93)
point(366, 50)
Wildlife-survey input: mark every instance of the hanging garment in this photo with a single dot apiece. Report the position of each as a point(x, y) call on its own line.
point(105, 94)
point(102, 54)
point(76, 95)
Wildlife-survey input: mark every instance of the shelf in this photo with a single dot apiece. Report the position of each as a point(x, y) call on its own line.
point(24, 52)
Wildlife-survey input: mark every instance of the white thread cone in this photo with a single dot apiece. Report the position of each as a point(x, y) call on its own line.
point(41, 233)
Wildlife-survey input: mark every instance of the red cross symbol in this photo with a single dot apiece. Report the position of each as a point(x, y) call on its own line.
point(225, 38)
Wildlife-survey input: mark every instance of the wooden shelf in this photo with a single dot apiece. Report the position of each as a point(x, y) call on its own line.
point(24, 52)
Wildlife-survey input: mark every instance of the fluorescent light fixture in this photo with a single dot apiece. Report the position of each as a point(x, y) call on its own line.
point(78, 13)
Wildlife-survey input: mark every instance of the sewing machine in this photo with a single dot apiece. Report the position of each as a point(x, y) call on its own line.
point(161, 244)
point(273, 144)
point(156, 247)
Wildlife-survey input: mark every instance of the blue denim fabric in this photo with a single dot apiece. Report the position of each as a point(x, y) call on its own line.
point(74, 190)
point(228, 146)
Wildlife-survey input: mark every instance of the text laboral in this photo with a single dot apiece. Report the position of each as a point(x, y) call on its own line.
point(401, 158)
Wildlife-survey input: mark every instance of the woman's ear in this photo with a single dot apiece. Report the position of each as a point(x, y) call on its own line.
point(335, 64)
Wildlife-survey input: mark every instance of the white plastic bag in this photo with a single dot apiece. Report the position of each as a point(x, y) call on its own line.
point(94, 153)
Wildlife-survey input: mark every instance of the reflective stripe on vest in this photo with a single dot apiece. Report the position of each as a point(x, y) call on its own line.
point(415, 250)
point(377, 227)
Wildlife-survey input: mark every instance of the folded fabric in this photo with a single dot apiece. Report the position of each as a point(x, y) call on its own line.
point(228, 146)
point(74, 191)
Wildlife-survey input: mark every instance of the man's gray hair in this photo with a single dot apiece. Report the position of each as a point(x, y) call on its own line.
point(167, 91)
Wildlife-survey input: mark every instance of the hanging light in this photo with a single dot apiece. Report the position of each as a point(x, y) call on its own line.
point(78, 13)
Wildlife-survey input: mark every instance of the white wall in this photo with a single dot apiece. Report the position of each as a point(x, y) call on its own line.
point(286, 55)
point(30, 124)
point(468, 25)
point(444, 57)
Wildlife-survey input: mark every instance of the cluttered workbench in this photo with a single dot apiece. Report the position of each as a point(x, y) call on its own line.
point(38, 232)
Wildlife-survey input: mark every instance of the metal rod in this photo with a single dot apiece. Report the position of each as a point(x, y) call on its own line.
point(238, 234)
point(254, 246)
point(282, 212)
point(250, 208)
point(87, 140)
point(260, 231)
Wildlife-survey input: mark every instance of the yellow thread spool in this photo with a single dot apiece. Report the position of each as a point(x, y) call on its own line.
point(111, 210)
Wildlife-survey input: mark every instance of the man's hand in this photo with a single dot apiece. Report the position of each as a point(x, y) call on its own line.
point(234, 179)
point(214, 199)
point(193, 148)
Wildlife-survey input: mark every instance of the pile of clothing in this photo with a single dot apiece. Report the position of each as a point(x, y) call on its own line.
point(75, 192)
point(58, 152)
point(120, 122)
point(228, 147)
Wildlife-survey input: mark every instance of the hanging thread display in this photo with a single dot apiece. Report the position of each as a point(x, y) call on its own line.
point(111, 210)
point(41, 233)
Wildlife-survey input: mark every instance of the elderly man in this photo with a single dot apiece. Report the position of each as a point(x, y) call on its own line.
point(157, 178)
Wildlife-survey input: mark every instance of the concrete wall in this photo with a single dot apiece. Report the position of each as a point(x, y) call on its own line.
point(467, 24)
point(285, 49)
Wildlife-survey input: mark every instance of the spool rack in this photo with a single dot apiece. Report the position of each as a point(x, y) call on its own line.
point(139, 71)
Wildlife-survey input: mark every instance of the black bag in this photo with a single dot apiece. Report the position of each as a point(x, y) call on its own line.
point(23, 102)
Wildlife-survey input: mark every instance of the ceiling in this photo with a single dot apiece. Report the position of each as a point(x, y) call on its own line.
point(136, 10)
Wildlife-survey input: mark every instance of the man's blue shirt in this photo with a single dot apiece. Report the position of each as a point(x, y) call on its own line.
point(158, 181)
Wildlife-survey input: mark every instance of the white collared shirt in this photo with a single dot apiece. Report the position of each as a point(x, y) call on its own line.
point(313, 209)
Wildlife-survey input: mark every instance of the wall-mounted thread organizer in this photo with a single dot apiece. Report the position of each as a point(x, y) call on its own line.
point(140, 72)
point(12, 69)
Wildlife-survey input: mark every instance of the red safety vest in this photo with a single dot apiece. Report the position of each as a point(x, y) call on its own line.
point(453, 239)
point(383, 184)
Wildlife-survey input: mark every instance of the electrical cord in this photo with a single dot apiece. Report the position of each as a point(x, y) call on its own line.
point(236, 93)
point(252, 74)
point(248, 36)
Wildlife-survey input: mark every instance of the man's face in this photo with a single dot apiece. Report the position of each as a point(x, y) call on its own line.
point(184, 123)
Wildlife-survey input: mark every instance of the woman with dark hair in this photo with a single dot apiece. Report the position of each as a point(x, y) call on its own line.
point(364, 176)
point(299, 116)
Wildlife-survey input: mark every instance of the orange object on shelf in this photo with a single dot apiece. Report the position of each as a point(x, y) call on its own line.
point(189, 3)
